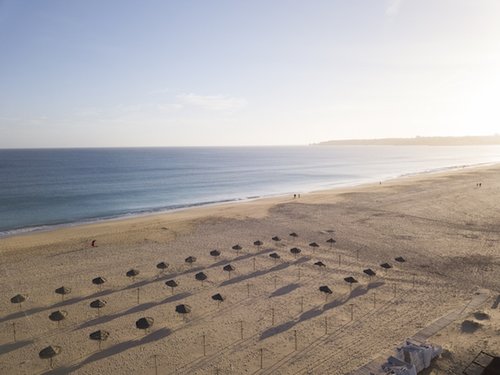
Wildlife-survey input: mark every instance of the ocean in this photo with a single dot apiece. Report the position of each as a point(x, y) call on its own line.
point(42, 188)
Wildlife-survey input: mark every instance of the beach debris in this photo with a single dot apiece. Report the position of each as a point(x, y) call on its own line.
point(331, 241)
point(58, 316)
point(320, 264)
point(276, 239)
point(400, 259)
point(215, 253)
point(63, 291)
point(99, 281)
point(132, 273)
point(19, 299)
point(172, 284)
point(99, 336)
point(295, 251)
point(93, 243)
point(98, 304)
point(413, 357)
point(218, 297)
point(228, 268)
point(326, 290)
point(200, 276)
point(183, 310)
point(190, 260)
point(49, 353)
point(370, 272)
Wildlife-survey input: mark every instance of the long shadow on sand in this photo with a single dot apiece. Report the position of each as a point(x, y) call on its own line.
point(259, 273)
point(115, 349)
point(284, 290)
point(132, 310)
point(6, 348)
point(317, 311)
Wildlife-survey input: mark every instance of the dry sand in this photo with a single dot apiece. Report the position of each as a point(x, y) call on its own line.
point(447, 229)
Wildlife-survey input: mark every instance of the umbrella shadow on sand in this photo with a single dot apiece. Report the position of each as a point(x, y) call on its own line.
point(112, 350)
point(259, 273)
point(284, 290)
point(317, 311)
point(11, 346)
point(136, 309)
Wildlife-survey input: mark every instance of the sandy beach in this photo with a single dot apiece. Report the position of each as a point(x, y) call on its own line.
point(273, 315)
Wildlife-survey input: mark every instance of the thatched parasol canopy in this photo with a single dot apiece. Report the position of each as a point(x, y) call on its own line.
point(258, 243)
point(171, 283)
point(276, 239)
point(144, 323)
point(218, 297)
point(295, 251)
point(293, 234)
point(183, 309)
point(320, 264)
point(331, 241)
point(200, 276)
point(98, 304)
point(57, 316)
point(132, 273)
point(313, 244)
point(190, 260)
point(237, 247)
point(63, 291)
point(386, 266)
point(49, 353)
point(275, 256)
point(99, 280)
point(400, 259)
point(19, 298)
point(325, 289)
point(350, 280)
point(370, 272)
point(228, 268)
point(99, 335)
point(215, 253)
point(162, 266)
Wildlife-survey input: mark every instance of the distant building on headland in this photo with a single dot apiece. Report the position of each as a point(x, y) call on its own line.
point(417, 141)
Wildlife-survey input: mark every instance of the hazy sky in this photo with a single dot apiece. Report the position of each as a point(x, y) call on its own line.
point(180, 73)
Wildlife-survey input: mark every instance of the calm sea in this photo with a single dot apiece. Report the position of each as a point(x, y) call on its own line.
point(43, 188)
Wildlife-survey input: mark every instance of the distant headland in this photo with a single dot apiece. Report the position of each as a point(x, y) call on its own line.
point(417, 141)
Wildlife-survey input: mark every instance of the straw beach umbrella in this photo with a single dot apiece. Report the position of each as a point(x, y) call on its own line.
point(218, 297)
point(350, 280)
point(49, 353)
point(58, 316)
point(62, 291)
point(400, 259)
point(19, 299)
point(228, 268)
point(145, 324)
point(172, 284)
point(313, 245)
point(237, 247)
point(99, 281)
point(295, 251)
point(275, 256)
point(99, 336)
point(276, 239)
point(98, 304)
point(190, 260)
point(320, 264)
point(370, 272)
point(326, 290)
point(200, 276)
point(215, 253)
point(183, 310)
point(258, 243)
point(132, 273)
point(162, 266)
point(331, 241)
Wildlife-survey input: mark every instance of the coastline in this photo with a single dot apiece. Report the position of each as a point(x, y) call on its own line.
point(194, 206)
point(443, 224)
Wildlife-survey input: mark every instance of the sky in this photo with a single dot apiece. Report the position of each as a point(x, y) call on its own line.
point(122, 73)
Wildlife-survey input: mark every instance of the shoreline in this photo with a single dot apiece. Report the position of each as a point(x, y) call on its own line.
point(45, 228)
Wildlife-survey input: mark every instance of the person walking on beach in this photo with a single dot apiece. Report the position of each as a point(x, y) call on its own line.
point(93, 243)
